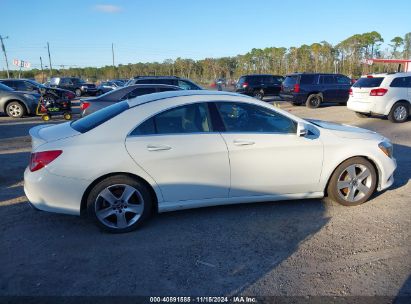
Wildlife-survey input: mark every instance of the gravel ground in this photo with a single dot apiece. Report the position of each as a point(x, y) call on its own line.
point(291, 248)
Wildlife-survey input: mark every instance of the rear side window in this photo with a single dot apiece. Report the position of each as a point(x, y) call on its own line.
point(95, 119)
point(327, 79)
point(139, 92)
point(290, 81)
point(365, 82)
point(308, 79)
point(343, 79)
point(401, 82)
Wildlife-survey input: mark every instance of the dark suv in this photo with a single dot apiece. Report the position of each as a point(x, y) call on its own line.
point(183, 83)
point(315, 88)
point(259, 85)
point(74, 84)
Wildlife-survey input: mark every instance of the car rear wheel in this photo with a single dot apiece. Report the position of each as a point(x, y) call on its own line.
point(258, 94)
point(353, 182)
point(119, 204)
point(399, 112)
point(15, 109)
point(77, 92)
point(313, 101)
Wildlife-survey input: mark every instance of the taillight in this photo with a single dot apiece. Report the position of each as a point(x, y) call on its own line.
point(84, 105)
point(296, 88)
point(378, 92)
point(370, 76)
point(245, 84)
point(350, 92)
point(39, 160)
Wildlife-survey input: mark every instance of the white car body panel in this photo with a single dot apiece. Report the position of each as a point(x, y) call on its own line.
point(199, 170)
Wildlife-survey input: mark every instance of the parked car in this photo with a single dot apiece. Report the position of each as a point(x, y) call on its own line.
point(74, 84)
point(17, 104)
point(259, 85)
point(28, 85)
point(312, 89)
point(93, 104)
point(184, 149)
point(183, 83)
point(107, 86)
point(382, 94)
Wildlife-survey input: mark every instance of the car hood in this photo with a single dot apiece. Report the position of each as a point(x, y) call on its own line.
point(346, 131)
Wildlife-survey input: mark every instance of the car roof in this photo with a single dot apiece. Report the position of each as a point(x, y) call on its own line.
point(171, 94)
point(394, 74)
point(252, 75)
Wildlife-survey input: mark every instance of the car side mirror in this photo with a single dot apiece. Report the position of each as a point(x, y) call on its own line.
point(301, 129)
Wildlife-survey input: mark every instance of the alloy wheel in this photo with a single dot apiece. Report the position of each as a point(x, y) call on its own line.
point(400, 113)
point(354, 183)
point(119, 206)
point(15, 110)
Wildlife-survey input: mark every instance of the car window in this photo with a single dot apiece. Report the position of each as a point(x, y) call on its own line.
point(185, 85)
point(97, 118)
point(167, 89)
point(241, 80)
point(255, 79)
point(21, 86)
point(4, 87)
point(327, 79)
point(343, 79)
point(289, 81)
point(308, 79)
point(368, 82)
point(9, 83)
point(278, 80)
point(242, 117)
point(139, 92)
point(401, 82)
point(192, 118)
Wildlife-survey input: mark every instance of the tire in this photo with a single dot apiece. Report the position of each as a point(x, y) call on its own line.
point(67, 116)
point(45, 117)
point(258, 94)
point(361, 115)
point(358, 189)
point(314, 101)
point(77, 92)
point(399, 112)
point(15, 109)
point(114, 213)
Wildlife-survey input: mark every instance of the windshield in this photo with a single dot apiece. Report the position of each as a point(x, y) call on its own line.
point(3, 87)
point(39, 85)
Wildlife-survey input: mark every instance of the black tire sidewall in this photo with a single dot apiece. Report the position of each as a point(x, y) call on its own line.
point(113, 180)
point(258, 94)
point(332, 185)
point(310, 97)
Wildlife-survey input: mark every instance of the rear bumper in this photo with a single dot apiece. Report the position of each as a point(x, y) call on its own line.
point(53, 193)
point(375, 106)
point(293, 97)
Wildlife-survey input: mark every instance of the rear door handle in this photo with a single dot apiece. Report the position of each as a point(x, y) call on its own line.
point(238, 142)
point(158, 147)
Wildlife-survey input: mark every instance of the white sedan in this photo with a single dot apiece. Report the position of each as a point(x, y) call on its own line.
point(188, 149)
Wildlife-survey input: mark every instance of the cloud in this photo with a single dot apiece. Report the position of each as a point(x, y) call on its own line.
point(107, 8)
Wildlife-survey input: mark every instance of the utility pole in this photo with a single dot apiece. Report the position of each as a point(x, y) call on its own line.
point(5, 54)
point(51, 68)
point(42, 74)
point(112, 52)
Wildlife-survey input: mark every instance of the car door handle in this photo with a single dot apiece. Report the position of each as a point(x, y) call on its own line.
point(243, 142)
point(158, 147)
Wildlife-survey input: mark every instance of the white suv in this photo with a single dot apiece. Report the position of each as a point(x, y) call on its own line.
point(382, 94)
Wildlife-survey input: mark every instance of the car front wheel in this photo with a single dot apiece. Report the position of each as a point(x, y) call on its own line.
point(119, 204)
point(15, 109)
point(353, 182)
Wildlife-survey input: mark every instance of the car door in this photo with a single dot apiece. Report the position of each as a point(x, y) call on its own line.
point(266, 155)
point(180, 151)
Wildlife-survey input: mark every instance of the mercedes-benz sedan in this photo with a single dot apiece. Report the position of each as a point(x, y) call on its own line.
point(186, 149)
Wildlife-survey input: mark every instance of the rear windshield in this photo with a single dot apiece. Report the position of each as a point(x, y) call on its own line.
point(290, 81)
point(95, 119)
point(241, 80)
point(365, 82)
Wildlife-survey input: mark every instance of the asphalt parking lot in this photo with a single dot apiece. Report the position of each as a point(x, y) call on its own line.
point(310, 247)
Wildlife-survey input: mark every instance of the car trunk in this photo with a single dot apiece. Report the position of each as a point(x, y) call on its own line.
point(48, 133)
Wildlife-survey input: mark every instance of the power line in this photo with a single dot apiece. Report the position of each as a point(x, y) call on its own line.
point(5, 54)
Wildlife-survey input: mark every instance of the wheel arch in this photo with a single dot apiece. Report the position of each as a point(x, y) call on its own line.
point(373, 163)
point(83, 204)
point(393, 103)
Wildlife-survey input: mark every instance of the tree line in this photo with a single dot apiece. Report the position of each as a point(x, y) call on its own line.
point(345, 57)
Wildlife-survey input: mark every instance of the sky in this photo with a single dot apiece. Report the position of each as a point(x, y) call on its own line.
point(81, 32)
